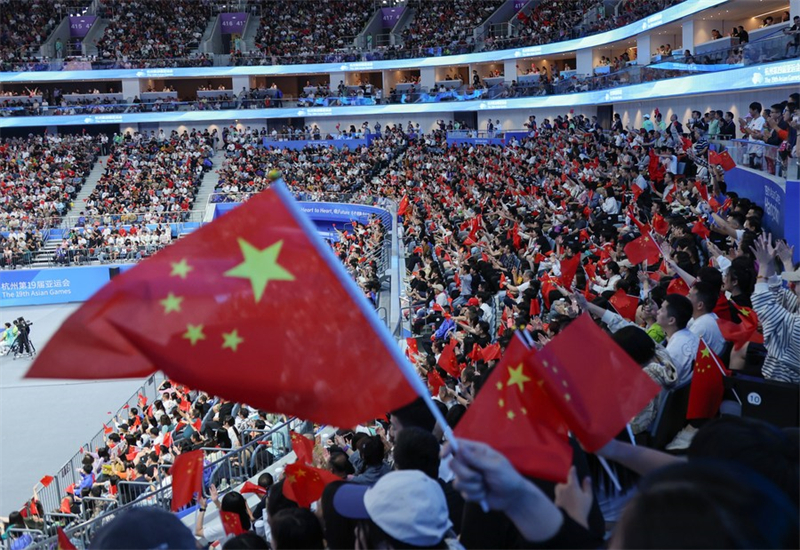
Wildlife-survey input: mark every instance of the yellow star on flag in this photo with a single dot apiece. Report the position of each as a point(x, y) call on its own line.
point(260, 266)
point(290, 478)
point(502, 403)
point(516, 376)
point(231, 340)
point(705, 352)
point(300, 473)
point(194, 333)
point(744, 312)
point(171, 303)
point(181, 269)
point(511, 415)
point(499, 385)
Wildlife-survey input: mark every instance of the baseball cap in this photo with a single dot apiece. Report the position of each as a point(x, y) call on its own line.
point(646, 116)
point(406, 504)
point(473, 302)
point(144, 527)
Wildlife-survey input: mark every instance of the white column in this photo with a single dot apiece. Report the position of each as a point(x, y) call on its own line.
point(239, 82)
point(130, 88)
point(584, 61)
point(794, 8)
point(427, 77)
point(510, 69)
point(644, 49)
point(688, 36)
point(336, 78)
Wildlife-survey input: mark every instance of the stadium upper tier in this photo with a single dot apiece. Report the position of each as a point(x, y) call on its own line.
point(174, 33)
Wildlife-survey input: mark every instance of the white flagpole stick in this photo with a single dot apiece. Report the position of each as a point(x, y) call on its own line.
point(610, 473)
point(630, 434)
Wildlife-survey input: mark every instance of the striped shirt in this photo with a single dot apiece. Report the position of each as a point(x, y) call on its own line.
point(781, 335)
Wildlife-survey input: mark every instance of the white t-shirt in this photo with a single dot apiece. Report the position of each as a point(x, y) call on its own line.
point(706, 327)
point(682, 348)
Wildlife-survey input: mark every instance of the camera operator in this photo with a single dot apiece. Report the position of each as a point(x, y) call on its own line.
point(23, 337)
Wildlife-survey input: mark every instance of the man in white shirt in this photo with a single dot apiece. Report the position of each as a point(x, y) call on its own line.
point(682, 344)
point(703, 296)
point(753, 128)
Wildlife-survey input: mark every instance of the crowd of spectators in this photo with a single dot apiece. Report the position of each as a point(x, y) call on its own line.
point(40, 177)
point(151, 178)
point(25, 25)
point(292, 32)
point(446, 25)
point(165, 29)
point(123, 241)
point(553, 21)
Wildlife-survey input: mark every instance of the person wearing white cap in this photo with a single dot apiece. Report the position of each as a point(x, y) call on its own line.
point(781, 324)
point(647, 124)
point(405, 507)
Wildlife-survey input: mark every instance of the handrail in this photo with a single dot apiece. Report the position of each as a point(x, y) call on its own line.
point(162, 495)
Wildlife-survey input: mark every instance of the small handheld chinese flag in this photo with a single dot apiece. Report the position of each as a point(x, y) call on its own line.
point(447, 359)
point(435, 381)
point(624, 304)
point(515, 415)
point(63, 540)
point(678, 286)
point(743, 332)
point(402, 208)
point(707, 389)
point(46, 481)
point(247, 289)
point(491, 352)
point(107, 429)
point(642, 249)
point(412, 348)
point(597, 398)
point(250, 487)
point(231, 522)
point(303, 447)
point(187, 478)
point(304, 484)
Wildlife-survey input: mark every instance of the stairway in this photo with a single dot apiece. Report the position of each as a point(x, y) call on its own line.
point(91, 182)
point(206, 188)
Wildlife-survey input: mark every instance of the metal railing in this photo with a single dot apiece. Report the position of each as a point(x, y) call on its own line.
point(69, 473)
point(762, 157)
point(236, 466)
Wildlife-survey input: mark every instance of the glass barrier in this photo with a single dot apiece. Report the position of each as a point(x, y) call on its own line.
point(760, 156)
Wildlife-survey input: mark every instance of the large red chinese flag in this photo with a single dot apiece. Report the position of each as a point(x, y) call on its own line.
point(625, 304)
point(678, 286)
point(187, 478)
point(641, 249)
point(304, 484)
point(706, 390)
point(597, 398)
point(402, 208)
point(514, 414)
point(234, 309)
point(303, 447)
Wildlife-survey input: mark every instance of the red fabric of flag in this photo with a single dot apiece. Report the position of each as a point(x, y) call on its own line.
point(660, 225)
point(411, 347)
point(491, 352)
point(642, 249)
point(187, 478)
point(185, 405)
point(744, 331)
point(706, 390)
point(63, 540)
point(678, 286)
point(250, 487)
point(569, 266)
point(726, 161)
point(303, 447)
point(252, 284)
point(702, 189)
point(700, 229)
point(447, 359)
point(142, 401)
point(435, 381)
point(304, 484)
point(514, 414)
point(597, 398)
point(402, 208)
point(624, 304)
point(231, 522)
point(107, 429)
point(46, 481)
point(536, 308)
